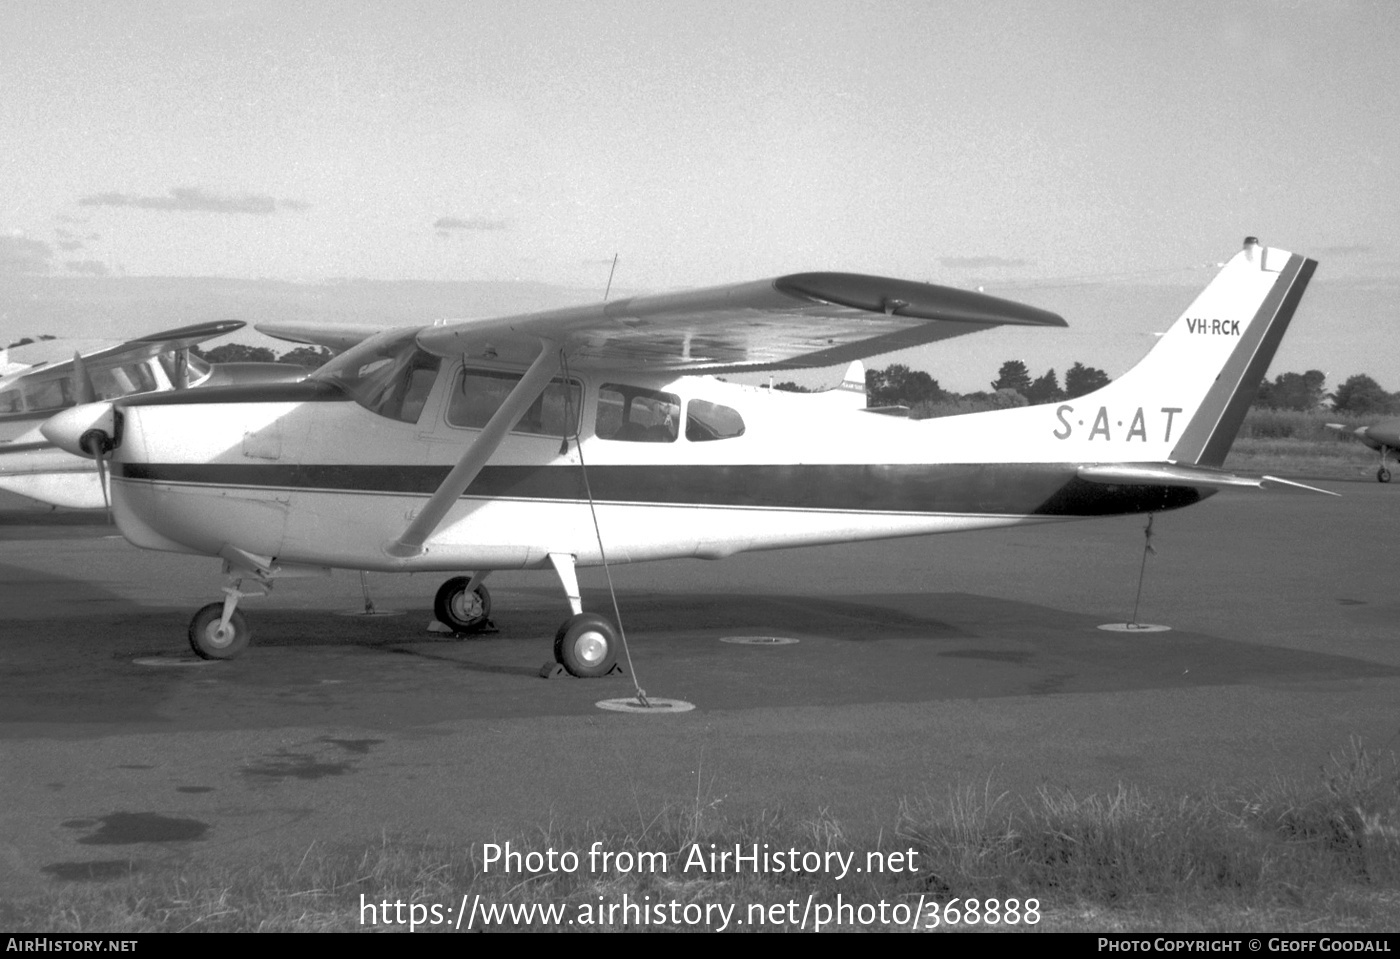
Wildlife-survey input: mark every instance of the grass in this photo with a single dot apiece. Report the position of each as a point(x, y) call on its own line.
point(1322, 855)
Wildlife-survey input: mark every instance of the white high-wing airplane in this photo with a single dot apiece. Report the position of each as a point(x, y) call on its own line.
point(587, 435)
point(38, 379)
point(1383, 437)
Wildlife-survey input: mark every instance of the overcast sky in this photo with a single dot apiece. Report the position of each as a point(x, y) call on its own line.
point(1024, 147)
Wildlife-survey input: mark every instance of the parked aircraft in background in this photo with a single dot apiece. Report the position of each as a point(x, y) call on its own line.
point(1383, 436)
point(593, 435)
point(38, 379)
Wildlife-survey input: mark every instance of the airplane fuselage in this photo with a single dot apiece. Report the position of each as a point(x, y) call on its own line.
point(307, 475)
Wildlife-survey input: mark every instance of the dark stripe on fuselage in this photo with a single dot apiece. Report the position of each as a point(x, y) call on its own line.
point(303, 391)
point(993, 489)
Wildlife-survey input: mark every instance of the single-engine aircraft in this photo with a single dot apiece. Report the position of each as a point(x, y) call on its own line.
point(1383, 436)
point(40, 378)
point(599, 434)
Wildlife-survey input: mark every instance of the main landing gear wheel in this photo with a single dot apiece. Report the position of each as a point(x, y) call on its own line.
point(209, 641)
point(586, 645)
point(464, 611)
point(1382, 475)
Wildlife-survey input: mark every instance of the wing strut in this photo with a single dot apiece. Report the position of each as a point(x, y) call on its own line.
point(531, 386)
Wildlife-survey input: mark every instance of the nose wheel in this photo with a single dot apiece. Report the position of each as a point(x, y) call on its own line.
point(465, 610)
point(1382, 475)
point(213, 637)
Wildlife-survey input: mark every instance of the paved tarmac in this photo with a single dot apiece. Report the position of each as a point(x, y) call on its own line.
point(922, 665)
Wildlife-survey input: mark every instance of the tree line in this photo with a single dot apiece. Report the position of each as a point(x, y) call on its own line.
point(307, 357)
point(898, 385)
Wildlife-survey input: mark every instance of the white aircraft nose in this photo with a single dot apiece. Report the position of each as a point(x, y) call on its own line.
point(68, 428)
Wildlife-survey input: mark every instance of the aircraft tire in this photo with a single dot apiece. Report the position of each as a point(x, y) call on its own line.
point(454, 607)
point(204, 633)
point(1382, 475)
point(586, 646)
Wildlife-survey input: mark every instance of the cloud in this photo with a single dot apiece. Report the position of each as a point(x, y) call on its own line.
point(68, 246)
point(20, 255)
point(980, 262)
point(90, 267)
point(195, 200)
point(474, 223)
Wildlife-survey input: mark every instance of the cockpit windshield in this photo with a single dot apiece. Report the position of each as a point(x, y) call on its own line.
point(387, 374)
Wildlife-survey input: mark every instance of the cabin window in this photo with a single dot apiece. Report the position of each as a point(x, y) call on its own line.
point(636, 415)
point(705, 421)
point(51, 395)
point(10, 402)
point(390, 376)
point(113, 381)
point(478, 394)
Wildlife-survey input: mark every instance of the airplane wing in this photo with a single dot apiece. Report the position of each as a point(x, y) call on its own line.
point(50, 356)
point(792, 322)
point(334, 336)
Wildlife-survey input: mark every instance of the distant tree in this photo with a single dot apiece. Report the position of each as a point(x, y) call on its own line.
point(788, 386)
point(1046, 389)
point(308, 357)
point(1293, 391)
point(1013, 375)
point(1362, 395)
point(238, 353)
point(897, 385)
point(1081, 379)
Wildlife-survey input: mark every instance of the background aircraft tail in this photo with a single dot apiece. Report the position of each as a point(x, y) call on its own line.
point(1202, 376)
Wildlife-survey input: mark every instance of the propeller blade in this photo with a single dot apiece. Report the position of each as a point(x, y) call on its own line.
point(101, 458)
point(83, 390)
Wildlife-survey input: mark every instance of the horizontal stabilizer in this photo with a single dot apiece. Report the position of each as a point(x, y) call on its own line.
point(1172, 474)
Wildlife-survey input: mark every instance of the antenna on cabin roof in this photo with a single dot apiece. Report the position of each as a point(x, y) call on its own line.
point(610, 276)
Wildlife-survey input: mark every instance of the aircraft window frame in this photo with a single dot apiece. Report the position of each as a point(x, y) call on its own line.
point(709, 424)
point(545, 417)
point(197, 368)
point(36, 393)
point(380, 375)
point(637, 424)
point(126, 379)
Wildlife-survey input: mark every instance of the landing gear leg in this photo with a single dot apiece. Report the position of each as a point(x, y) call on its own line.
point(1383, 474)
point(586, 643)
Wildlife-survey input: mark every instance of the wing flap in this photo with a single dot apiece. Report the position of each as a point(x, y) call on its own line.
point(791, 322)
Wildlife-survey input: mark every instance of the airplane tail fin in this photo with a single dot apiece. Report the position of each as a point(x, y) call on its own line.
point(854, 383)
point(1188, 396)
